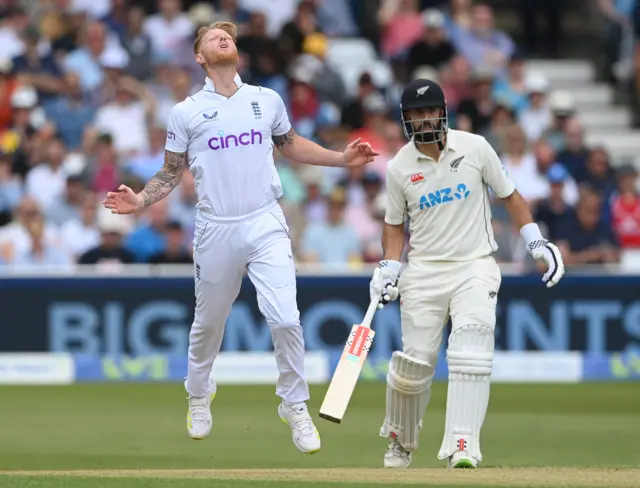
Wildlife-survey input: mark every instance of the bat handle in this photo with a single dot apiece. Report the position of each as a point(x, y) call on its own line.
point(368, 318)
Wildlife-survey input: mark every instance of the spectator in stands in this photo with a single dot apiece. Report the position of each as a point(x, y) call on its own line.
point(434, 49)
point(481, 43)
point(335, 18)
point(68, 206)
point(574, 156)
point(70, 113)
point(401, 25)
point(502, 119)
point(474, 113)
point(38, 70)
point(360, 217)
point(625, 208)
point(374, 113)
point(518, 160)
point(294, 32)
point(554, 210)
point(315, 204)
point(39, 252)
point(15, 20)
point(126, 118)
point(84, 61)
point(333, 242)
point(536, 118)
point(8, 84)
point(150, 161)
point(169, 28)
point(230, 11)
point(600, 176)
point(149, 237)
point(454, 79)
point(80, 234)
point(10, 189)
point(583, 238)
point(46, 182)
point(277, 12)
point(514, 89)
point(15, 238)
point(256, 41)
point(102, 174)
point(353, 112)
point(619, 15)
point(328, 83)
point(175, 251)
point(110, 251)
point(182, 202)
point(563, 108)
point(137, 43)
point(539, 184)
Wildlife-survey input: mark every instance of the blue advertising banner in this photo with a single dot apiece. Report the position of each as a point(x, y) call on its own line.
point(152, 316)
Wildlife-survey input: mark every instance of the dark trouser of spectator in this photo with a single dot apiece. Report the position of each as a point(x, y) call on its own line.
point(365, 13)
point(612, 42)
point(550, 12)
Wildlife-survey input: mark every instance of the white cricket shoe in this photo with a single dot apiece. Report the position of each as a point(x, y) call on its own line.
point(461, 460)
point(304, 432)
point(396, 456)
point(199, 419)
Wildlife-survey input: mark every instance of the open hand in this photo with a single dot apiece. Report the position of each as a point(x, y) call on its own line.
point(359, 153)
point(124, 201)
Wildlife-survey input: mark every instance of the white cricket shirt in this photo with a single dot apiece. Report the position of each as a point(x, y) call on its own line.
point(447, 201)
point(229, 148)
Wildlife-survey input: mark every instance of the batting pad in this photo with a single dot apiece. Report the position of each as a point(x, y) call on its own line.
point(470, 359)
point(408, 382)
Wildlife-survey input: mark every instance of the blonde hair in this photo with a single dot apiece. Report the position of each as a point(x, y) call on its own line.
point(229, 27)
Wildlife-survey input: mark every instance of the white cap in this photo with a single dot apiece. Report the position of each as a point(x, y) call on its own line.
point(562, 102)
point(433, 18)
point(114, 58)
point(375, 103)
point(536, 83)
point(202, 14)
point(24, 97)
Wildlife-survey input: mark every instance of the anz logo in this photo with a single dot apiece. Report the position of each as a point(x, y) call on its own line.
point(444, 195)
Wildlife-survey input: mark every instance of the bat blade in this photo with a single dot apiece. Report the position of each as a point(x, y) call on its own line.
point(347, 373)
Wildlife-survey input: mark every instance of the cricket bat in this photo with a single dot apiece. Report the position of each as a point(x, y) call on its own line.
point(349, 367)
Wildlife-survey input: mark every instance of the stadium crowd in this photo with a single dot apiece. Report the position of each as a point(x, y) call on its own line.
point(86, 87)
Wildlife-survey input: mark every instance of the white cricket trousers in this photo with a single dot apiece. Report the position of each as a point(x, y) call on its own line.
point(431, 292)
point(223, 249)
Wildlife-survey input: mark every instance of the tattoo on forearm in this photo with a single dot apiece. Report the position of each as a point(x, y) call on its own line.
point(165, 180)
point(281, 141)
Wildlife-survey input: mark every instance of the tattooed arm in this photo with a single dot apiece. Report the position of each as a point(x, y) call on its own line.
point(296, 147)
point(165, 180)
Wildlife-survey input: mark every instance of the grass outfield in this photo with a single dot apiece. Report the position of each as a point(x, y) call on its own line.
point(134, 436)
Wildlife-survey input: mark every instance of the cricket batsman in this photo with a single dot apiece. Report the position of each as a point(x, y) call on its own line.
point(225, 135)
point(440, 181)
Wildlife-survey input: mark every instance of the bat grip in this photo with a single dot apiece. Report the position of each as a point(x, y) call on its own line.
point(368, 317)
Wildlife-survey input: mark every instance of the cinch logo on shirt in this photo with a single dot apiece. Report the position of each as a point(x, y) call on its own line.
point(444, 195)
point(245, 139)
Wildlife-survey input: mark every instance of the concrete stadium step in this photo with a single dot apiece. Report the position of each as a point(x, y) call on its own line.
point(621, 144)
point(592, 95)
point(606, 117)
point(565, 70)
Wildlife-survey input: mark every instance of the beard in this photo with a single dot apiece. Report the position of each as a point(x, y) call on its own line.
point(224, 58)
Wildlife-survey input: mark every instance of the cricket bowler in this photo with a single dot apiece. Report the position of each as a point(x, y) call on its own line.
point(225, 135)
point(440, 181)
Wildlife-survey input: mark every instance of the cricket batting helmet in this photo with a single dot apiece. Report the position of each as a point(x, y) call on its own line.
point(423, 93)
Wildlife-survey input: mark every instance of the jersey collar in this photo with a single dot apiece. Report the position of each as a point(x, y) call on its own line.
point(450, 146)
point(208, 83)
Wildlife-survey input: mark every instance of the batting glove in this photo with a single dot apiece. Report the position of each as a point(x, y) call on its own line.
point(384, 284)
point(545, 251)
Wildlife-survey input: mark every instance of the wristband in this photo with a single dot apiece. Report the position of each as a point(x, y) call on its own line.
point(532, 236)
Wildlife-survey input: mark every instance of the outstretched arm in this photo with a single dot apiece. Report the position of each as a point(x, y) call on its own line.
point(165, 180)
point(298, 148)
